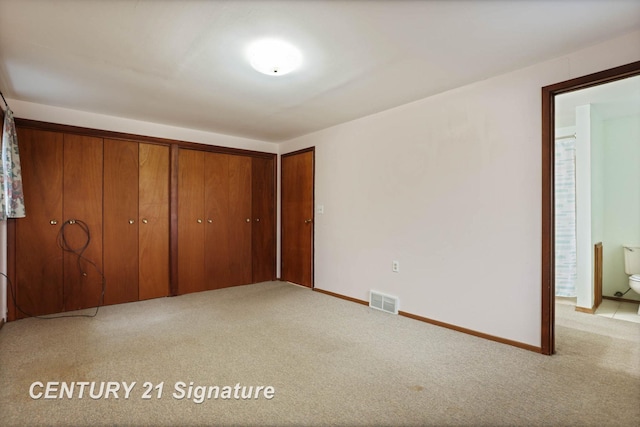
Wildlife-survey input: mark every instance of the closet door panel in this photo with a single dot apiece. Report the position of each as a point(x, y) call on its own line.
point(38, 284)
point(263, 209)
point(82, 189)
point(154, 221)
point(120, 221)
point(218, 236)
point(240, 220)
point(191, 271)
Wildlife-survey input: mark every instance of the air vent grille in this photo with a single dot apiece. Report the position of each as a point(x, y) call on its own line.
point(383, 302)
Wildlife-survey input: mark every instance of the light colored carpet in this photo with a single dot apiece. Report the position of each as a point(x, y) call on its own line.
point(331, 362)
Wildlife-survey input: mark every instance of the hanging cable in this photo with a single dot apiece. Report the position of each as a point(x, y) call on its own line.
point(5, 101)
point(63, 243)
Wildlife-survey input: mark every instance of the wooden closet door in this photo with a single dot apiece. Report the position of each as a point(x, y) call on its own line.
point(297, 217)
point(191, 271)
point(82, 189)
point(38, 282)
point(120, 221)
point(154, 221)
point(263, 245)
point(240, 220)
point(218, 236)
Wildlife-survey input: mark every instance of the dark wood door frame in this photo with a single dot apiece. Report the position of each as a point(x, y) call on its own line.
point(547, 345)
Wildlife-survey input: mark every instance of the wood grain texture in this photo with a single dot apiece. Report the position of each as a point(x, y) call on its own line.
point(218, 235)
point(82, 189)
point(191, 272)
point(120, 221)
point(297, 217)
point(263, 245)
point(597, 275)
point(92, 172)
point(240, 220)
point(154, 258)
point(39, 273)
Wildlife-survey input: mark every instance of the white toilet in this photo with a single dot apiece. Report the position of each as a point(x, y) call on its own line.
point(632, 267)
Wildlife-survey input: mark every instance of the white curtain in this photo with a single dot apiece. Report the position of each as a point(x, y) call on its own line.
point(11, 196)
point(565, 217)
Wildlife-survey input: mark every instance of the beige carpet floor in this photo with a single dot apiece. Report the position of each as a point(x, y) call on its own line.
point(329, 361)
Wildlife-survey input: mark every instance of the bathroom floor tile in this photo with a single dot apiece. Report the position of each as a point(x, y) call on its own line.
point(629, 317)
point(628, 311)
point(608, 308)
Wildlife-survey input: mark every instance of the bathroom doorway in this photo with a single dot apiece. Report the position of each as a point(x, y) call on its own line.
point(549, 143)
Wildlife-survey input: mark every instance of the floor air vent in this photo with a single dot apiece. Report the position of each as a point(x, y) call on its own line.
point(383, 302)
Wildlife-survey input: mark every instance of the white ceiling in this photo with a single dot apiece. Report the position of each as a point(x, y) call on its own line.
point(182, 63)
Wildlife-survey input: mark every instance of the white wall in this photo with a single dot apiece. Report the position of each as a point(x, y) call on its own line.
point(622, 199)
point(450, 187)
point(65, 116)
point(584, 208)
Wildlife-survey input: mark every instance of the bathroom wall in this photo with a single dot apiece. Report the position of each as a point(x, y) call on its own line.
point(584, 208)
point(621, 186)
point(598, 178)
point(607, 197)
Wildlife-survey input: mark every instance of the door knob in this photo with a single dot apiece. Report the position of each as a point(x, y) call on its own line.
point(248, 219)
point(131, 221)
point(199, 221)
point(257, 219)
point(308, 221)
point(210, 221)
point(53, 222)
point(145, 220)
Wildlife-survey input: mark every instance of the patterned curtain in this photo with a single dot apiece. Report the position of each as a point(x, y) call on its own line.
point(11, 196)
point(565, 207)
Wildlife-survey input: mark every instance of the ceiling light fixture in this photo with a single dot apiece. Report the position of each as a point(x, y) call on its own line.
point(274, 57)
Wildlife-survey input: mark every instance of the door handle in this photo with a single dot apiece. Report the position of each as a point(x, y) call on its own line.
point(145, 220)
point(308, 221)
point(53, 222)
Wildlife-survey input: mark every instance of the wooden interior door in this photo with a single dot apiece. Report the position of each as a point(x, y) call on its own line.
point(191, 270)
point(153, 256)
point(263, 244)
point(39, 274)
point(240, 220)
point(120, 221)
point(218, 236)
point(82, 189)
point(297, 217)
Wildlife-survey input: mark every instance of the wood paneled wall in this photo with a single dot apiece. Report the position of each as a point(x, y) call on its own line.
point(141, 198)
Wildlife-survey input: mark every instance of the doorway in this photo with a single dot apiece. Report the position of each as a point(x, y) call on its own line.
point(548, 184)
point(297, 222)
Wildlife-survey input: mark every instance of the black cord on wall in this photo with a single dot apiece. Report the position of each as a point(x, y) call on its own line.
point(79, 252)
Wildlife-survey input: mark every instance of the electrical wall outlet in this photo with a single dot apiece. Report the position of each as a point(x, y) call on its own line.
point(395, 266)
